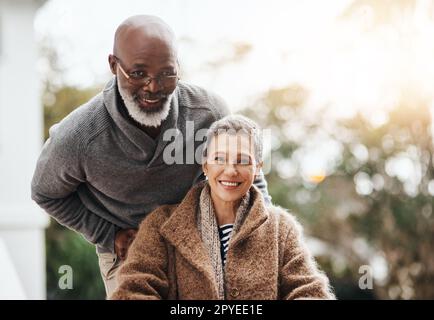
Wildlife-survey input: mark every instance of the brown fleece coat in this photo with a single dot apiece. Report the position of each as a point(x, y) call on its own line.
point(266, 259)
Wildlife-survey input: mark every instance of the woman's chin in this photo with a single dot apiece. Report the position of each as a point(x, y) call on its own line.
point(229, 198)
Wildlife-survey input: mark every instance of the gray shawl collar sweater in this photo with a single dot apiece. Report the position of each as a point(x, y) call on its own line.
point(98, 172)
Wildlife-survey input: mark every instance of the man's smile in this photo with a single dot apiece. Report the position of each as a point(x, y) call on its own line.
point(150, 104)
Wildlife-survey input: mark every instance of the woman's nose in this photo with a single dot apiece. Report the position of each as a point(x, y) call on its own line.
point(230, 169)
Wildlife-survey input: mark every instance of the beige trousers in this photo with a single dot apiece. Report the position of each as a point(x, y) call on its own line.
point(109, 264)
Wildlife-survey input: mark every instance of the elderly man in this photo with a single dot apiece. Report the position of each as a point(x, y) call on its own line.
point(103, 168)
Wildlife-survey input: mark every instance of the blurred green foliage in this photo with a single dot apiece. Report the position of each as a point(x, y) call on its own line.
point(65, 247)
point(369, 205)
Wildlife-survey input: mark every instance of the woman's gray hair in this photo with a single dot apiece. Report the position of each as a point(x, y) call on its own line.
point(233, 124)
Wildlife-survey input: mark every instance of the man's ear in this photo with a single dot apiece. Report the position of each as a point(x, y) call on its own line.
point(178, 67)
point(112, 64)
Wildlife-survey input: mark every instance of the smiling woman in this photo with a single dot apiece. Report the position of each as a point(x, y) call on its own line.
point(249, 250)
point(233, 157)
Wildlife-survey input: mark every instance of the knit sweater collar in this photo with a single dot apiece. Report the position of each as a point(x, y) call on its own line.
point(147, 149)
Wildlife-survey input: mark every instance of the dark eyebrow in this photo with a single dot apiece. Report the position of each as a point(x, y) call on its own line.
point(139, 65)
point(144, 65)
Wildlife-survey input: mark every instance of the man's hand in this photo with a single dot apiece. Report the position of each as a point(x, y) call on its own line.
point(123, 239)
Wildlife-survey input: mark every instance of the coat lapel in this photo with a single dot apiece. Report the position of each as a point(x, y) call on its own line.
point(256, 216)
point(180, 231)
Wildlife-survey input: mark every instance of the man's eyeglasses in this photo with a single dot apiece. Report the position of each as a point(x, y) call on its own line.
point(139, 78)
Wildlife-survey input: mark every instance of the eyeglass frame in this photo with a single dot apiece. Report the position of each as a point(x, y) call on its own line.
point(159, 78)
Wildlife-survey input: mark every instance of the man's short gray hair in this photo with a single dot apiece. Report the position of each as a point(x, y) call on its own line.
point(233, 124)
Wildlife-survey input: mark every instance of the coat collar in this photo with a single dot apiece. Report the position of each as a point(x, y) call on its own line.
point(181, 229)
point(256, 216)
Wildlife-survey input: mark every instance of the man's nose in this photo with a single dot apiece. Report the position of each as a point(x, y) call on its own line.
point(153, 86)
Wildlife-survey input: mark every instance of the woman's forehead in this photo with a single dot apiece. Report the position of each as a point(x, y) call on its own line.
point(239, 143)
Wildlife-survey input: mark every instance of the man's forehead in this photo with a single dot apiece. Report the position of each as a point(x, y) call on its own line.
point(137, 38)
point(136, 45)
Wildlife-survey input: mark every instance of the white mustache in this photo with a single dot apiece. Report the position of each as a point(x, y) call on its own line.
point(149, 96)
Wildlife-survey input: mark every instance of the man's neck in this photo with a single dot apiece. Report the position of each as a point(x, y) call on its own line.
point(153, 132)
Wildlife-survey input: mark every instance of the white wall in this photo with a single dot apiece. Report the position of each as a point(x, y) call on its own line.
point(22, 223)
point(11, 287)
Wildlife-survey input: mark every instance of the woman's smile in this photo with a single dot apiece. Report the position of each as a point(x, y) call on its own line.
point(229, 184)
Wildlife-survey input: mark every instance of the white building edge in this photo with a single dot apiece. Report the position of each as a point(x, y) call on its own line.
point(22, 222)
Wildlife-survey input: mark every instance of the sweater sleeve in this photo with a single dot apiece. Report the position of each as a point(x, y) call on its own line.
point(59, 173)
point(300, 277)
point(144, 274)
point(262, 185)
point(218, 105)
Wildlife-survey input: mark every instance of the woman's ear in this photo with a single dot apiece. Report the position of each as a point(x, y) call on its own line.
point(205, 168)
point(258, 169)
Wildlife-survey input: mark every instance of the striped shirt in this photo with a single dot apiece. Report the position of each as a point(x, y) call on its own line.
point(225, 234)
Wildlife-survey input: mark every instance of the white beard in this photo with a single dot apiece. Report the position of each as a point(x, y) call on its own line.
point(146, 118)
